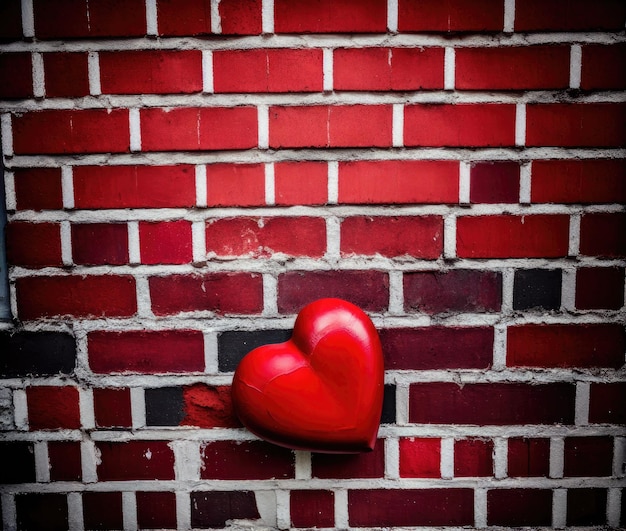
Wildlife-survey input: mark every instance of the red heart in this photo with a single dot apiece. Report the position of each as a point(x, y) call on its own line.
point(323, 389)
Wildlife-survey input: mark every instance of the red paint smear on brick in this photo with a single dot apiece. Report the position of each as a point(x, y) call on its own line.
point(208, 407)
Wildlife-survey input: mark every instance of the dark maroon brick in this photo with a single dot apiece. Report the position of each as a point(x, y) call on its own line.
point(17, 462)
point(494, 182)
point(519, 507)
point(65, 461)
point(214, 509)
point(607, 403)
point(473, 458)
point(602, 234)
point(588, 456)
point(100, 243)
point(112, 407)
point(586, 507)
point(41, 512)
point(364, 465)
point(10, 20)
point(121, 461)
point(156, 510)
point(312, 508)
point(102, 510)
point(600, 288)
point(529, 457)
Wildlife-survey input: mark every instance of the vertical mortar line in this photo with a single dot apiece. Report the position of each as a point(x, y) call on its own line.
point(342, 520)
point(525, 183)
point(39, 78)
point(333, 238)
point(619, 457)
point(396, 292)
point(392, 458)
point(28, 19)
point(198, 241)
point(557, 449)
point(270, 295)
point(283, 516)
point(152, 26)
point(559, 508)
point(613, 509)
point(183, 510)
point(328, 77)
point(520, 124)
point(9, 191)
point(66, 243)
point(449, 236)
point(134, 252)
point(581, 416)
point(93, 73)
point(270, 194)
point(392, 16)
point(87, 416)
point(216, 19)
point(303, 465)
point(447, 458)
point(480, 508)
point(263, 125)
point(207, 71)
point(129, 511)
point(75, 512)
point(499, 347)
point(267, 16)
point(9, 514)
point(211, 365)
point(402, 403)
point(267, 504)
point(500, 457)
point(509, 16)
point(135, 129)
point(42, 462)
point(568, 289)
point(449, 68)
point(574, 235)
point(508, 285)
point(89, 460)
point(6, 131)
point(20, 409)
point(201, 189)
point(186, 460)
point(13, 299)
point(333, 182)
point(464, 182)
point(398, 125)
point(67, 187)
point(144, 303)
point(138, 407)
point(575, 66)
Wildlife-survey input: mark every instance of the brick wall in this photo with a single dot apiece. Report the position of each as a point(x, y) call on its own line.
point(183, 177)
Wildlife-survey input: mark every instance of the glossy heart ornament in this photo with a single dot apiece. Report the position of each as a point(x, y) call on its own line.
point(320, 391)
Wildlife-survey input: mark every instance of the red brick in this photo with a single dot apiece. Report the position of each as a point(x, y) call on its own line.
point(603, 66)
point(17, 462)
point(100, 243)
point(208, 407)
point(235, 184)
point(599, 288)
point(222, 293)
point(102, 510)
point(519, 507)
point(240, 17)
point(603, 235)
point(576, 124)
point(81, 18)
point(135, 460)
point(338, 466)
point(420, 458)
point(330, 16)
point(71, 131)
point(246, 460)
point(588, 456)
point(437, 347)
point(146, 352)
point(508, 236)
point(402, 181)
point(65, 461)
point(456, 290)
point(495, 182)
point(39, 511)
point(607, 403)
point(451, 15)
point(437, 125)
point(38, 188)
point(33, 244)
point(492, 404)
point(586, 345)
point(207, 128)
point(367, 289)
point(273, 70)
point(300, 183)
point(330, 126)
point(66, 74)
point(528, 457)
point(16, 72)
point(151, 72)
point(512, 68)
point(112, 407)
point(579, 181)
point(11, 20)
point(134, 186)
point(52, 408)
point(473, 458)
point(569, 15)
point(86, 296)
point(407, 507)
point(422, 236)
point(165, 242)
point(312, 508)
point(264, 237)
point(156, 510)
point(388, 68)
point(184, 17)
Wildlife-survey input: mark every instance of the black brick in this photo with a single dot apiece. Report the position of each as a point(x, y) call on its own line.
point(36, 512)
point(17, 462)
point(537, 288)
point(36, 353)
point(389, 405)
point(586, 507)
point(164, 406)
point(233, 346)
point(214, 509)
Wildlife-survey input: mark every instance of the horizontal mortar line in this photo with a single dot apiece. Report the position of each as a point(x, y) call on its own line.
point(209, 100)
point(308, 41)
point(307, 154)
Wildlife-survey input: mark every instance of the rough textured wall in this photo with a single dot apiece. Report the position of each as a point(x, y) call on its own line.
point(183, 176)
